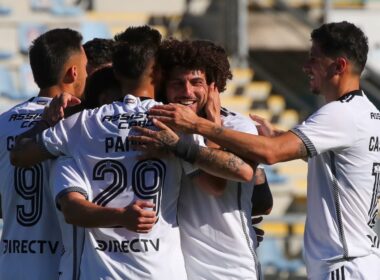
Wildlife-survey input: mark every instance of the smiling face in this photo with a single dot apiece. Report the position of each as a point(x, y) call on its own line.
point(187, 87)
point(320, 69)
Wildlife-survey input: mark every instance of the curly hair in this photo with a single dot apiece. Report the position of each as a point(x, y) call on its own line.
point(195, 55)
point(343, 39)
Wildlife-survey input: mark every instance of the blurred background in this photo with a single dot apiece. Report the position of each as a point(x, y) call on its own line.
point(267, 41)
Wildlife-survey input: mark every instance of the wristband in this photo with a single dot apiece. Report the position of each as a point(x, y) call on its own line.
point(186, 151)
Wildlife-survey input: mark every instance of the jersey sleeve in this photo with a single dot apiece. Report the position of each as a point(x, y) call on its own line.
point(331, 128)
point(56, 139)
point(66, 177)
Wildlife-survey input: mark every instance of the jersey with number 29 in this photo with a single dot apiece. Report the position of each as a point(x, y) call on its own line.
point(117, 176)
point(31, 240)
point(343, 181)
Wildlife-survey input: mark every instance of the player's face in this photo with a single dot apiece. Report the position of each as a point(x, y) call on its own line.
point(320, 69)
point(187, 87)
point(81, 63)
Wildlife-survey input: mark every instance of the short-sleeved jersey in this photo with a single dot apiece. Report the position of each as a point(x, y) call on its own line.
point(64, 172)
point(98, 141)
point(31, 240)
point(343, 140)
point(217, 238)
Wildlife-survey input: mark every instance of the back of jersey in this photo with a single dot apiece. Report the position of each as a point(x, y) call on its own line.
point(98, 142)
point(31, 240)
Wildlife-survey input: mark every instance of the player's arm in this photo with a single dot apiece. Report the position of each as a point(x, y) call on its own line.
point(262, 199)
point(28, 150)
point(81, 212)
point(269, 150)
point(215, 162)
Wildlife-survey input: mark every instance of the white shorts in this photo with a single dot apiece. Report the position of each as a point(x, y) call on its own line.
point(363, 268)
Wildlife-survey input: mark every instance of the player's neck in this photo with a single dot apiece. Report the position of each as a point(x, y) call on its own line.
point(343, 86)
point(51, 92)
point(140, 89)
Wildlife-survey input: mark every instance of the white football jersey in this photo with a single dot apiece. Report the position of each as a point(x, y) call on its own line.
point(31, 240)
point(98, 141)
point(64, 173)
point(217, 238)
point(343, 139)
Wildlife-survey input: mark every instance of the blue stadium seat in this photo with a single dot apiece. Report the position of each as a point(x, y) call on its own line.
point(27, 32)
point(28, 88)
point(271, 256)
point(7, 86)
point(94, 29)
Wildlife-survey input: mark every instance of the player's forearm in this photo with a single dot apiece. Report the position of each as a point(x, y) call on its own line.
point(268, 150)
point(27, 151)
point(223, 164)
point(81, 212)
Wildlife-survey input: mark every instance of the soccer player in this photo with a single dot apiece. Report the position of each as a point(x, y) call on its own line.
point(31, 240)
point(341, 141)
point(131, 206)
point(217, 239)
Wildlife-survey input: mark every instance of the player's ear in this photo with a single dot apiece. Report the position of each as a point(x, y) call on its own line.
point(71, 74)
point(340, 65)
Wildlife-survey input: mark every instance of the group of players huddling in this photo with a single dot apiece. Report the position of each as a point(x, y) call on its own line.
point(125, 166)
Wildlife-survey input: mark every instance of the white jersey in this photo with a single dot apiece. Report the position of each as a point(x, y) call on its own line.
point(63, 173)
point(218, 241)
point(343, 139)
point(31, 240)
point(98, 141)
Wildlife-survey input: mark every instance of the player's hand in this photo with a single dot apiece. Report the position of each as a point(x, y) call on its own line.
point(212, 107)
point(259, 232)
point(165, 138)
point(55, 111)
point(139, 219)
point(177, 116)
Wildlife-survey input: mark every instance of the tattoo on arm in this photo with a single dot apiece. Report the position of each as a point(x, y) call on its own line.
point(226, 161)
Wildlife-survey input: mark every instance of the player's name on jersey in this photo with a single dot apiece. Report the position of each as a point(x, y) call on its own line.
point(30, 247)
point(129, 246)
point(375, 116)
point(374, 145)
point(126, 121)
point(118, 144)
point(27, 120)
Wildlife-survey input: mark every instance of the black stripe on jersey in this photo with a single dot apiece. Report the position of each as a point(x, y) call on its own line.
point(311, 150)
point(336, 195)
point(246, 235)
point(338, 274)
point(225, 112)
point(349, 96)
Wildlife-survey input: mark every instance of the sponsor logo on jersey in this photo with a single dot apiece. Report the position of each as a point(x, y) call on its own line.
point(28, 120)
point(30, 247)
point(129, 246)
point(375, 116)
point(374, 145)
point(127, 121)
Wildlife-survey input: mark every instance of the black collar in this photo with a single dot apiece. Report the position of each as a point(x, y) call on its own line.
point(350, 95)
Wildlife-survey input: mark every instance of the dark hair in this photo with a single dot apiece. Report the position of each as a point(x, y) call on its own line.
point(50, 51)
point(98, 52)
point(134, 49)
point(140, 35)
point(343, 39)
point(195, 55)
point(97, 84)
